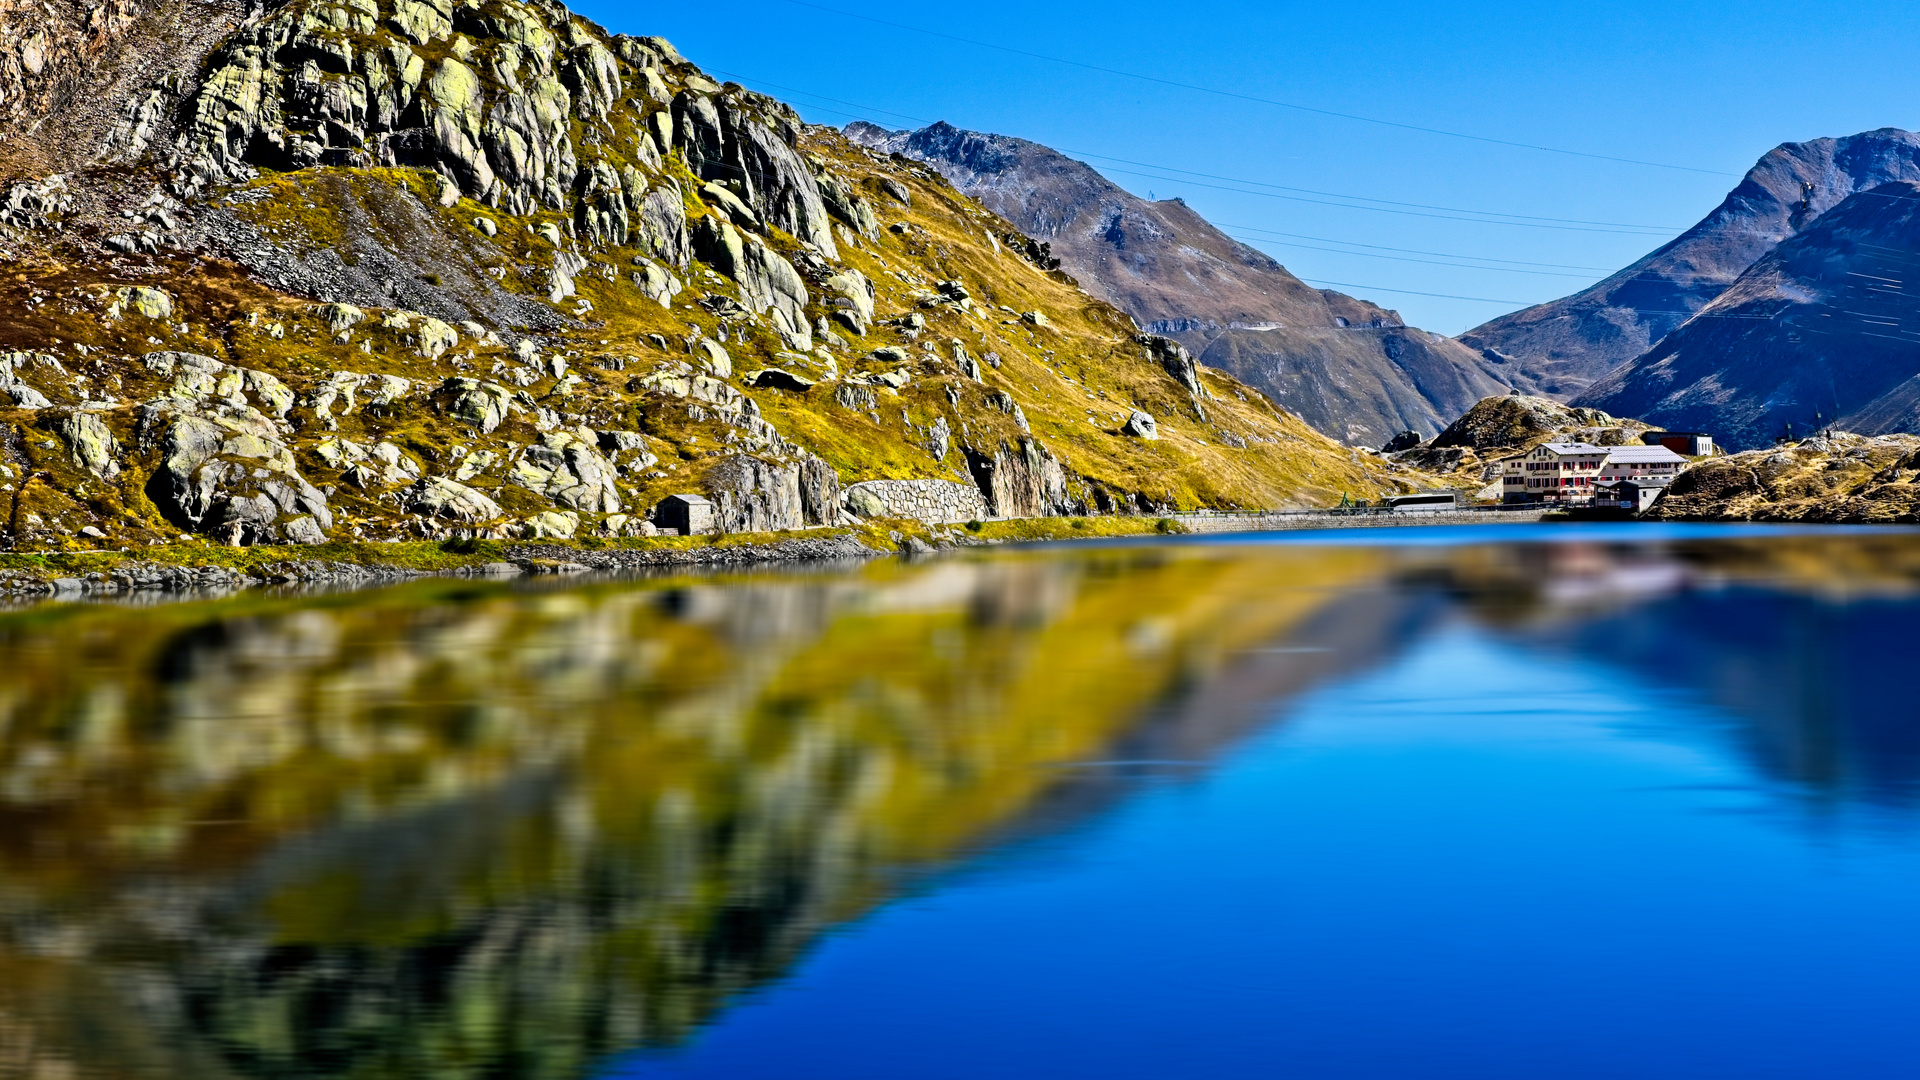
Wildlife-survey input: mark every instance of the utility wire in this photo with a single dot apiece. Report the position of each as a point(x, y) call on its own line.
point(1403, 258)
point(1410, 292)
point(1255, 98)
point(1365, 198)
point(1528, 221)
point(1412, 251)
point(1634, 231)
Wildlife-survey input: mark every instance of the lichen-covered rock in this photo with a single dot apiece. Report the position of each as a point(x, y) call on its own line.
point(753, 495)
point(842, 202)
point(963, 360)
point(437, 496)
point(342, 317)
point(199, 379)
point(714, 357)
point(725, 140)
point(779, 379)
point(1517, 421)
point(1837, 477)
point(768, 282)
point(90, 443)
point(551, 525)
point(660, 225)
point(1141, 425)
point(569, 470)
point(852, 297)
point(20, 393)
point(1176, 361)
point(433, 338)
point(423, 21)
point(144, 301)
point(485, 405)
point(658, 283)
point(229, 476)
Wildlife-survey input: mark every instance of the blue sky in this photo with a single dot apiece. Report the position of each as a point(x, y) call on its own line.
point(1703, 86)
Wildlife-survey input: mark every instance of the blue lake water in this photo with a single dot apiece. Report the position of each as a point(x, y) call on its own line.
point(1595, 803)
point(1407, 875)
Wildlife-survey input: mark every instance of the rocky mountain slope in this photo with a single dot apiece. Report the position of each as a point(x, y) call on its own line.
point(1819, 331)
point(1562, 346)
point(1349, 368)
point(1839, 477)
point(347, 268)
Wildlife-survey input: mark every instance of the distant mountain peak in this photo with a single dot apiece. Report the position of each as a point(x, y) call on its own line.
point(1349, 367)
point(1564, 345)
point(1818, 332)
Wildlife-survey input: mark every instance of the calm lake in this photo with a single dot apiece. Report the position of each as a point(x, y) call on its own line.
point(1602, 801)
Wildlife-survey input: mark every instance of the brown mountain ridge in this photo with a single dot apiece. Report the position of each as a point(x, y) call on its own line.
point(1352, 369)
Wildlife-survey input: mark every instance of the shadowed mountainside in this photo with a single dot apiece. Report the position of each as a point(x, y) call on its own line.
point(1818, 332)
point(1562, 346)
point(1349, 368)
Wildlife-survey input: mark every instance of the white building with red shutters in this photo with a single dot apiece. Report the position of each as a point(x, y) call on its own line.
point(1569, 472)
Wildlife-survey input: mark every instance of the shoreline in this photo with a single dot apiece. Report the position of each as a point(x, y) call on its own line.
point(202, 568)
point(198, 567)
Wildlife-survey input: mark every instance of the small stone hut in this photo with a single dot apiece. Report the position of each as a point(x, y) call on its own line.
point(687, 515)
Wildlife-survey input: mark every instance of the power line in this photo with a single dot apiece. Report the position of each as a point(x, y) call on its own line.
point(1255, 98)
point(1402, 258)
point(1412, 251)
point(1365, 198)
point(1410, 292)
point(1634, 231)
point(1528, 221)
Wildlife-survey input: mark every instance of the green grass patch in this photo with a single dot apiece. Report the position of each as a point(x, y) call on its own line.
point(1071, 528)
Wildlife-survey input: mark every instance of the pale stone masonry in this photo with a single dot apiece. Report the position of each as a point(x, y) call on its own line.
point(936, 502)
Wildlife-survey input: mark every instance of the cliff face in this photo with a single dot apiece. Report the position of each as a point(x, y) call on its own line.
point(425, 268)
point(1819, 331)
point(1563, 346)
point(1349, 368)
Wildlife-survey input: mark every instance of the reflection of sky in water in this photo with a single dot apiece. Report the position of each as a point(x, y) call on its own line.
point(1417, 875)
point(1386, 803)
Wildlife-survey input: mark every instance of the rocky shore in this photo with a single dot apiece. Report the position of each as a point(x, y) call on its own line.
point(147, 577)
point(822, 549)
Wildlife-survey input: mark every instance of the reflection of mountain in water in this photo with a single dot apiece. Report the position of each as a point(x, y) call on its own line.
point(1800, 640)
point(449, 832)
point(458, 830)
point(1817, 685)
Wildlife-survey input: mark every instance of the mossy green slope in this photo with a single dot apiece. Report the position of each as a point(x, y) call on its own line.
point(649, 282)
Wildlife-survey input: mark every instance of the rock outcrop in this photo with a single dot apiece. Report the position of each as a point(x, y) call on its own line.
point(1840, 478)
point(1469, 450)
point(228, 475)
point(1023, 480)
point(426, 269)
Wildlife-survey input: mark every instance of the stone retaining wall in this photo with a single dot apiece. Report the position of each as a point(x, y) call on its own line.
point(936, 502)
